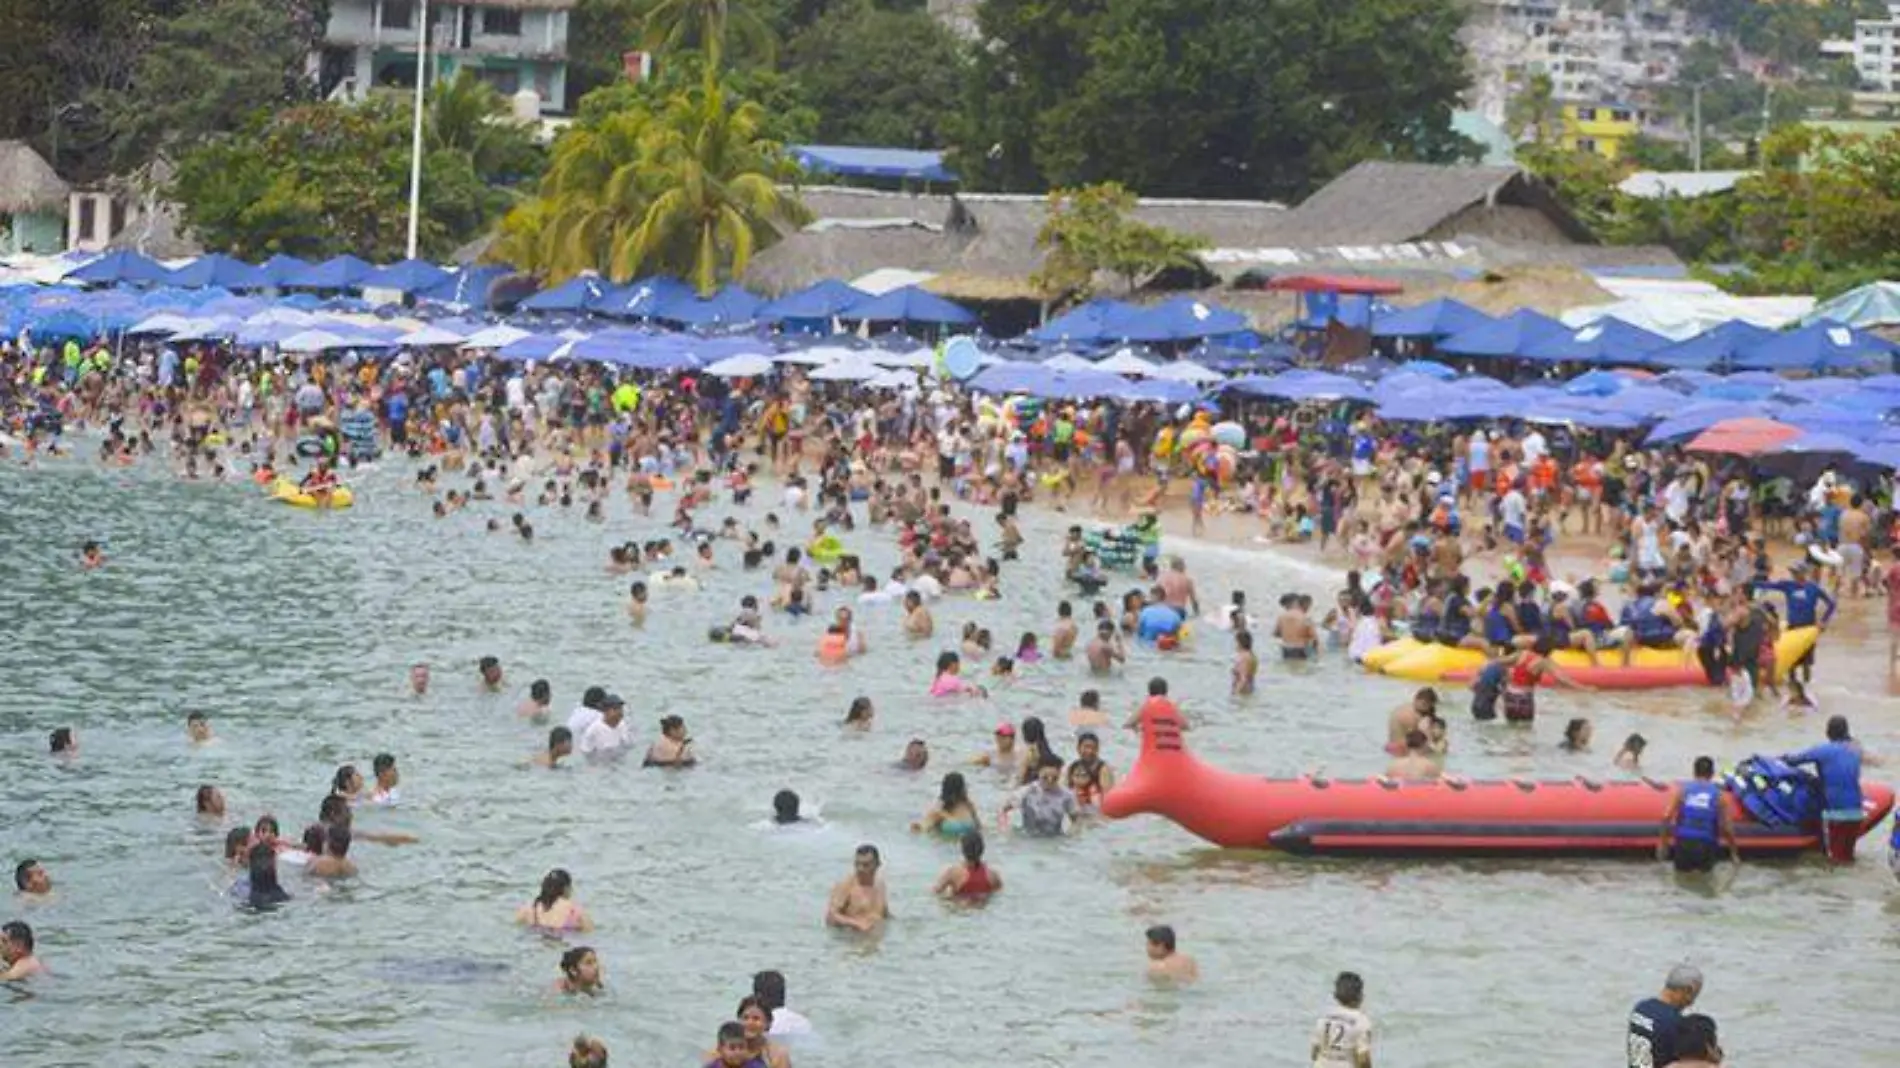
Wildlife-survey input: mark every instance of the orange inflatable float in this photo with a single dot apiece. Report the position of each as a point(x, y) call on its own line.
point(1446, 818)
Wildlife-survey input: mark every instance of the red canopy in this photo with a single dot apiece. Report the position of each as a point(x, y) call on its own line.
point(1743, 437)
point(1335, 283)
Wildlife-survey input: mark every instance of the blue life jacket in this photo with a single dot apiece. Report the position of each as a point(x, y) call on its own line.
point(1457, 624)
point(1699, 818)
point(1425, 627)
point(1497, 629)
point(1646, 623)
point(1776, 793)
point(1530, 617)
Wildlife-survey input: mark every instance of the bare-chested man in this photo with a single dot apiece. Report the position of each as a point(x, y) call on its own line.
point(1418, 764)
point(1177, 589)
point(1105, 650)
point(1407, 718)
point(917, 621)
point(1299, 639)
point(1062, 638)
point(859, 902)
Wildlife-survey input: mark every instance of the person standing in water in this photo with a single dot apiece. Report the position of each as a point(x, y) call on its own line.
point(16, 953)
point(1342, 1036)
point(560, 744)
point(1655, 1023)
point(198, 729)
point(1062, 637)
point(1696, 820)
point(969, 880)
point(489, 668)
point(1165, 962)
point(1838, 762)
point(859, 902)
point(1246, 664)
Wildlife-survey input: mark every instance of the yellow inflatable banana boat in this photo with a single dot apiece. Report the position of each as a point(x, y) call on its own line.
point(1418, 661)
point(290, 493)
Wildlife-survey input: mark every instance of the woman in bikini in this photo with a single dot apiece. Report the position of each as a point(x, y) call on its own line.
point(554, 910)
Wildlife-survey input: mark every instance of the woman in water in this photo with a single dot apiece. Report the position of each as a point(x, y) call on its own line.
point(950, 681)
point(673, 749)
point(858, 716)
point(1036, 751)
point(969, 879)
point(553, 911)
point(1027, 651)
point(265, 891)
point(1630, 757)
point(1576, 736)
point(757, 1021)
point(580, 972)
point(953, 816)
point(1527, 668)
point(347, 783)
point(210, 802)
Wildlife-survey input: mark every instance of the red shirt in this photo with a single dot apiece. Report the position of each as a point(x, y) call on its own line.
point(1893, 597)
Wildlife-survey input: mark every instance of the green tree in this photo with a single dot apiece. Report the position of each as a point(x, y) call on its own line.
point(1087, 232)
point(690, 187)
point(877, 77)
point(320, 179)
point(467, 115)
point(1532, 113)
point(600, 33)
point(1215, 98)
point(711, 26)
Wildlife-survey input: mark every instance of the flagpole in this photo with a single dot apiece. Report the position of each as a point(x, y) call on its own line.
point(415, 140)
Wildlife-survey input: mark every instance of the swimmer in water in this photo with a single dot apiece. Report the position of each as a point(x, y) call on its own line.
point(1088, 711)
point(637, 604)
point(1299, 639)
point(418, 679)
point(587, 1053)
point(785, 808)
point(1062, 637)
point(560, 744)
point(1406, 718)
point(539, 703)
point(859, 902)
point(30, 881)
point(756, 1019)
point(91, 556)
point(1106, 649)
point(950, 681)
point(1630, 757)
point(1166, 963)
point(580, 972)
point(673, 749)
point(198, 728)
point(916, 756)
point(335, 863)
point(209, 802)
point(347, 783)
point(553, 910)
point(858, 716)
point(489, 669)
point(64, 743)
point(1246, 664)
point(917, 622)
point(16, 953)
point(1418, 764)
point(387, 778)
point(969, 879)
point(265, 891)
point(954, 815)
point(732, 1051)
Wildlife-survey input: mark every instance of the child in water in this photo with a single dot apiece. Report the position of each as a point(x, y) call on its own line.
point(950, 681)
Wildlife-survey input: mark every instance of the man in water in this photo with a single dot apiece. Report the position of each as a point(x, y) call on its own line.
point(335, 863)
point(587, 713)
point(1062, 637)
point(1157, 710)
point(1418, 764)
point(1342, 1036)
point(1177, 589)
point(31, 880)
point(1167, 963)
point(785, 808)
point(1299, 639)
point(611, 735)
point(198, 728)
point(1048, 807)
point(16, 952)
point(490, 669)
point(1696, 1045)
point(1088, 711)
point(560, 744)
point(916, 756)
point(769, 988)
point(1105, 650)
point(859, 902)
point(1696, 819)
point(387, 778)
point(63, 742)
point(917, 622)
point(1655, 1023)
point(418, 679)
point(1838, 761)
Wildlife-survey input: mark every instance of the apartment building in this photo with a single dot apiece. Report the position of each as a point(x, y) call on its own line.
point(1877, 51)
point(511, 44)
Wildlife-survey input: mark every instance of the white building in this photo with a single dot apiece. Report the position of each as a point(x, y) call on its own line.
point(1588, 51)
point(513, 45)
point(1877, 50)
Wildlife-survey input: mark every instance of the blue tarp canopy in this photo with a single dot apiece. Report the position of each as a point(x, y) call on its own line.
point(640, 300)
point(1041, 380)
point(1604, 341)
point(1300, 385)
point(730, 306)
point(1697, 417)
point(1434, 318)
point(407, 276)
point(280, 267)
point(338, 272)
point(1712, 349)
point(121, 266)
point(1097, 320)
point(217, 269)
point(1509, 336)
point(820, 300)
point(533, 347)
point(1818, 347)
point(910, 305)
point(1182, 319)
point(850, 161)
point(467, 287)
point(575, 294)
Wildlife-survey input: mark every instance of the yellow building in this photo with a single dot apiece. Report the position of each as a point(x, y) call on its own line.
point(1605, 129)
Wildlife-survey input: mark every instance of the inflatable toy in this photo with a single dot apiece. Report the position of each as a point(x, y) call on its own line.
point(1419, 661)
point(1451, 817)
point(1232, 435)
point(290, 493)
point(825, 551)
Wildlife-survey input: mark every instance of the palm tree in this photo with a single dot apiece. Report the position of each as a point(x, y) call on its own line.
point(467, 115)
point(718, 196)
point(675, 24)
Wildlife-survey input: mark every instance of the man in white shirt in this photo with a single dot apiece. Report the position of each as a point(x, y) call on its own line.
point(1534, 446)
point(1342, 1037)
point(926, 586)
point(587, 713)
point(769, 988)
point(611, 736)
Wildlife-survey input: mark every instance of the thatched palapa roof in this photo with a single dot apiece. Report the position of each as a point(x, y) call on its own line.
point(28, 183)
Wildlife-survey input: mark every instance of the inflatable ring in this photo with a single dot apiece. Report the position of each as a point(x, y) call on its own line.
point(825, 551)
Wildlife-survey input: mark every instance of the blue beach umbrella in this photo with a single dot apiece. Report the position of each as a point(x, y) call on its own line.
point(909, 304)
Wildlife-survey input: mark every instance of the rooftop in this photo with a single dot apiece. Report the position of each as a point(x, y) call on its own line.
point(28, 183)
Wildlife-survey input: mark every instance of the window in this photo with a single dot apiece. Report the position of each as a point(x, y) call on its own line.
point(1586, 144)
point(399, 14)
point(1619, 115)
point(501, 22)
point(88, 218)
point(505, 80)
point(117, 217)
point(1586, 114)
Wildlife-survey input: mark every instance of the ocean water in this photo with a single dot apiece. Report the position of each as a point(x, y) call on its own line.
point(293, 631)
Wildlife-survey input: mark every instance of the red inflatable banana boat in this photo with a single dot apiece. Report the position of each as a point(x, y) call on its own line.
point(1386, 817)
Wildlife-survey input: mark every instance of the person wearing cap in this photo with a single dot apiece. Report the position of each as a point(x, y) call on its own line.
point(1805, 597)
point(1655, 1024)
point(1838, 762)
point(1005, 756)
point(608, 737)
